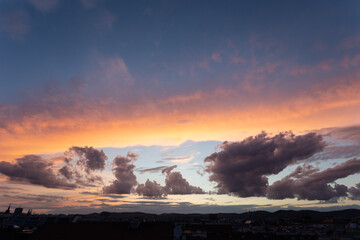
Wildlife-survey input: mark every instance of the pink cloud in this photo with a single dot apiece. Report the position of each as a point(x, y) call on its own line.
point(324, 66)
point(269, 67)
point(350, 61)
point(216, 56)
point(115, 70)
point(204, 64)
point(237, 59)
point(351, 42)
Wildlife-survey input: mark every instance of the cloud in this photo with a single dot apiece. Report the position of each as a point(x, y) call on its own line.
point(54, 102)
point(124, 173)
point(151, 189)
point(10, 188)
point(343, 143)
point(355, 192)
point(115, 71)
point(350, 133)
point(15, 23)
point(114, 196)
point(216, 56)
point(106, 108)
point(66, 172)
point(151, 170)
point(90, 158)
point(58, 171)
point(241, 168)
point(45, 5)
point(37, 197)
point(167, 170)
point(87, 179)
point(236, 59)
point(181, 159)
point(307, 182)
point(176, 184)
point(337, 152)
point(35, 170)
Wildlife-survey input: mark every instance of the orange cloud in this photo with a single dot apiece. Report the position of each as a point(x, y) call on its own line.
point(221, 114)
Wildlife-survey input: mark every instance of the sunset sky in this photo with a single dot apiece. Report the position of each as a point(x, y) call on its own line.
point(179, 106)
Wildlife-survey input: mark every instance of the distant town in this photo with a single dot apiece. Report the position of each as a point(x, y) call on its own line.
point(282, 224)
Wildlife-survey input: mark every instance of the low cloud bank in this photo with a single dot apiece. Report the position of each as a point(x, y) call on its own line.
point(175, 183)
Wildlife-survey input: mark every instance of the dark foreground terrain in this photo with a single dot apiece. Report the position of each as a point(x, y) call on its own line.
point(282, 224)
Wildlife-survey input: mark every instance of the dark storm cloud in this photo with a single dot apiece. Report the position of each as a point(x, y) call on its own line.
point(241, 168)
point(151, 189)
point(35, 170)
point(91, 158)
point(307, 182)
point(124, 174)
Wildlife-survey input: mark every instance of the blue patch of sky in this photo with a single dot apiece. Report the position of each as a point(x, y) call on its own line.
point(155, 156)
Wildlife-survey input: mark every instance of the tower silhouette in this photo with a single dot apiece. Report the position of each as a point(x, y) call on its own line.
point(8, 210)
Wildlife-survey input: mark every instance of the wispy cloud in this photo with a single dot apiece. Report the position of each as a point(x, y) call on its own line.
point(180, 159)
point(150, 170)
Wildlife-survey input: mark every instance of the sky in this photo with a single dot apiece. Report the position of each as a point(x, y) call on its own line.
point(179, 106)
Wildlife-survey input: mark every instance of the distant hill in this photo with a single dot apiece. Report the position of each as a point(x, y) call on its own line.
point(256, 215)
